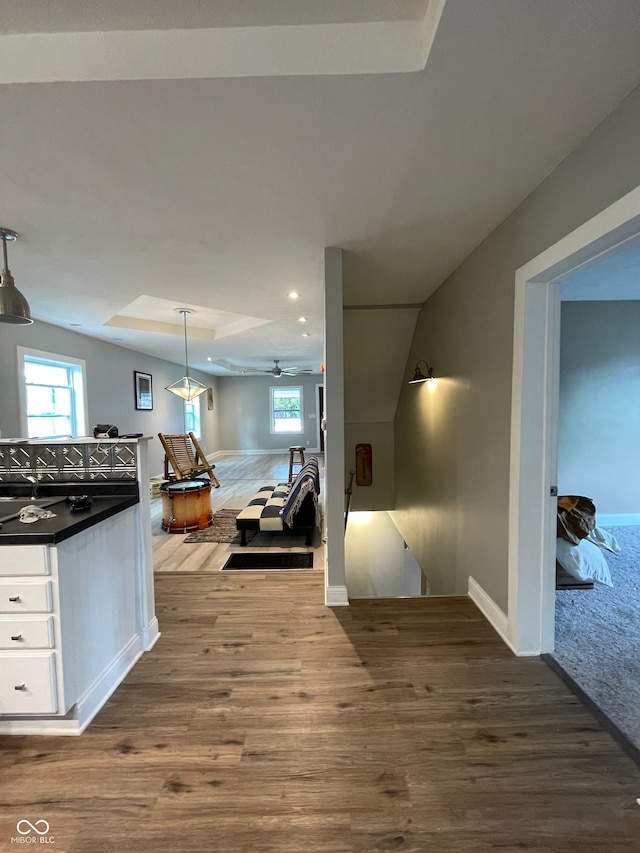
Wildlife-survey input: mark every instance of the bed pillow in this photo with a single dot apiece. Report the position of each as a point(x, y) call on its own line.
point(604, 539)
point(585, 561)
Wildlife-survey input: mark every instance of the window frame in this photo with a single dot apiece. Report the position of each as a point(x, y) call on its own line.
point(272, 429)
point(56, 359)
point(197, 409)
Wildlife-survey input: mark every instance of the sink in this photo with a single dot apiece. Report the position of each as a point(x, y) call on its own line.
point(10, 507)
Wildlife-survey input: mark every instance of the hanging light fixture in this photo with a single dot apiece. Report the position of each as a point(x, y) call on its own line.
point(187, 387)
point(14, 308)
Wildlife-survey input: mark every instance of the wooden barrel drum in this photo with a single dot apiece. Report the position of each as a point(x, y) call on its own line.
point(186, 505)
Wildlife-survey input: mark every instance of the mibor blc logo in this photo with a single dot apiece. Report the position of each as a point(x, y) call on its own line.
point(32, 833)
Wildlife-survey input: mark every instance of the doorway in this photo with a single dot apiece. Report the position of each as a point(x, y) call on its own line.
point(534, 420)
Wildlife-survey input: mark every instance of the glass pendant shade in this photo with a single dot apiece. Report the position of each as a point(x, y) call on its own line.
point(14, 308)
point(187, 388)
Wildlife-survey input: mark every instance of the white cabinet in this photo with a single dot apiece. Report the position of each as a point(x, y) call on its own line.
point(28, 684)
point(26, 632)
point(28, 678)
point(72, 624)
point(20, 595)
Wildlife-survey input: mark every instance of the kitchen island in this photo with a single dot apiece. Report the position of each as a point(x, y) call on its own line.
point(76, 590)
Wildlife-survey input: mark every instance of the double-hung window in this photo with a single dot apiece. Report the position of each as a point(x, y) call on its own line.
point(286, 409)
point(52, 394)
point(192, 416)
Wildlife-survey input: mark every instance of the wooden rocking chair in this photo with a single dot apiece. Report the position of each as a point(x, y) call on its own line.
point(184, 458)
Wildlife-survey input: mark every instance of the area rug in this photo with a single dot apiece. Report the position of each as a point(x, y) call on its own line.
point(222, 529)
point(597, 637)
point(259, 562)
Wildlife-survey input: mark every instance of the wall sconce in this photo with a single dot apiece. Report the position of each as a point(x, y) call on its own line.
point(419, 376)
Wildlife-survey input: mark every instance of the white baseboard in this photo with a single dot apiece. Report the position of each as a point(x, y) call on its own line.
point(336, 596)
point(92, 700)
point(107, 682)
point(150, 634)
point(620, 519)
point(490, 610)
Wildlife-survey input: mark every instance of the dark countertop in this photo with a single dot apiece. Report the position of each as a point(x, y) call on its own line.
point(49, 531)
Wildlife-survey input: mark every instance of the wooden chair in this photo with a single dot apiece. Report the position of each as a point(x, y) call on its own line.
point(185, 458)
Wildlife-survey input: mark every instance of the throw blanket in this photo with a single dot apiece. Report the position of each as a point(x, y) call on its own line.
point(307, 482)
point(576, 517)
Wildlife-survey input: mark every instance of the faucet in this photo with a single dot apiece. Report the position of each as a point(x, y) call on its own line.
point(35, 481)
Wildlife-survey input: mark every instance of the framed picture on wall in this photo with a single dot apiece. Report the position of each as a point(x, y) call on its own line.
point(143, 389)
point(209, 399)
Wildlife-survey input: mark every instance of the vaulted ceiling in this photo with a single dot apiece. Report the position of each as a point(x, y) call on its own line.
point(159, 154)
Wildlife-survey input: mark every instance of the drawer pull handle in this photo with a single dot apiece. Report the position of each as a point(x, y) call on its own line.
point(14, 598)
point(16, 637)
point(21, 686)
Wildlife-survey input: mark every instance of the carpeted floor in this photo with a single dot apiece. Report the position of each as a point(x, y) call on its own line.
point(598, 636)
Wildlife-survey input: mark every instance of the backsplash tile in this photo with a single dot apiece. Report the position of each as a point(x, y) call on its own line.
point(69, 461)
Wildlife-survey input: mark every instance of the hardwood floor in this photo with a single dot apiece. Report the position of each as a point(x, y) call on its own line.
point(263, 722)
point(240, 476)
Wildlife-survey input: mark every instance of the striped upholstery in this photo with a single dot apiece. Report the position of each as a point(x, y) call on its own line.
point(265, 509)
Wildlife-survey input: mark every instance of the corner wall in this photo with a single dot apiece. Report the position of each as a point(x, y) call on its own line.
point(452, 497)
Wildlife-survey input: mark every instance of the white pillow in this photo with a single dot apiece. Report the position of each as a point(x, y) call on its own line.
point(584, 561)
point(605, 540)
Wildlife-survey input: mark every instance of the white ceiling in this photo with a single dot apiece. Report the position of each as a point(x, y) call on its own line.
point(220, 194)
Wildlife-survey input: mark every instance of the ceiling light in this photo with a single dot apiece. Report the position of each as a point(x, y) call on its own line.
point(294, 294)
point(302, 319)
point(187, 388)
point(419, 376)
point(14, 308)
point(306, 335)
point(208, 358)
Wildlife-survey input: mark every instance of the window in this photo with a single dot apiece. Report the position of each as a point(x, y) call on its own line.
point(192, 416)
point(52, 391)
point(286, 409)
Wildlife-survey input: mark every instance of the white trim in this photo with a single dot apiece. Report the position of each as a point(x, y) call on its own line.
point(336, 596)
point(534, 424)
point(273, 431)
point(618, 519)
point(95, 697)
point(490, 610)
point(29, 352)
point(87, 706)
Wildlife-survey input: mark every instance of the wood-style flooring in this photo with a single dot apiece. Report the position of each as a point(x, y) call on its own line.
point(264, 722)
point(240, 476)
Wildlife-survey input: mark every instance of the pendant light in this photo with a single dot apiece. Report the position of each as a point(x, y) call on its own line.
point(14, 308)
point(187, 388)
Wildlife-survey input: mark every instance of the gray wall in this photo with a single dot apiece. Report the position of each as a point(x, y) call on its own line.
point(452, 442)
point(109, 386)
point(245, 412)
point(372, 379)
point(379, 495)
point(599, 422)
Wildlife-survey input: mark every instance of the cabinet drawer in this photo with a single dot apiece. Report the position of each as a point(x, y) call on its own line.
point(25, 596)
point(28, 684)
point(24, 560)
point(26, 632)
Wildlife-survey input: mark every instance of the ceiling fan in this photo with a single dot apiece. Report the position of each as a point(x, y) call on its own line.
point(278, 371)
